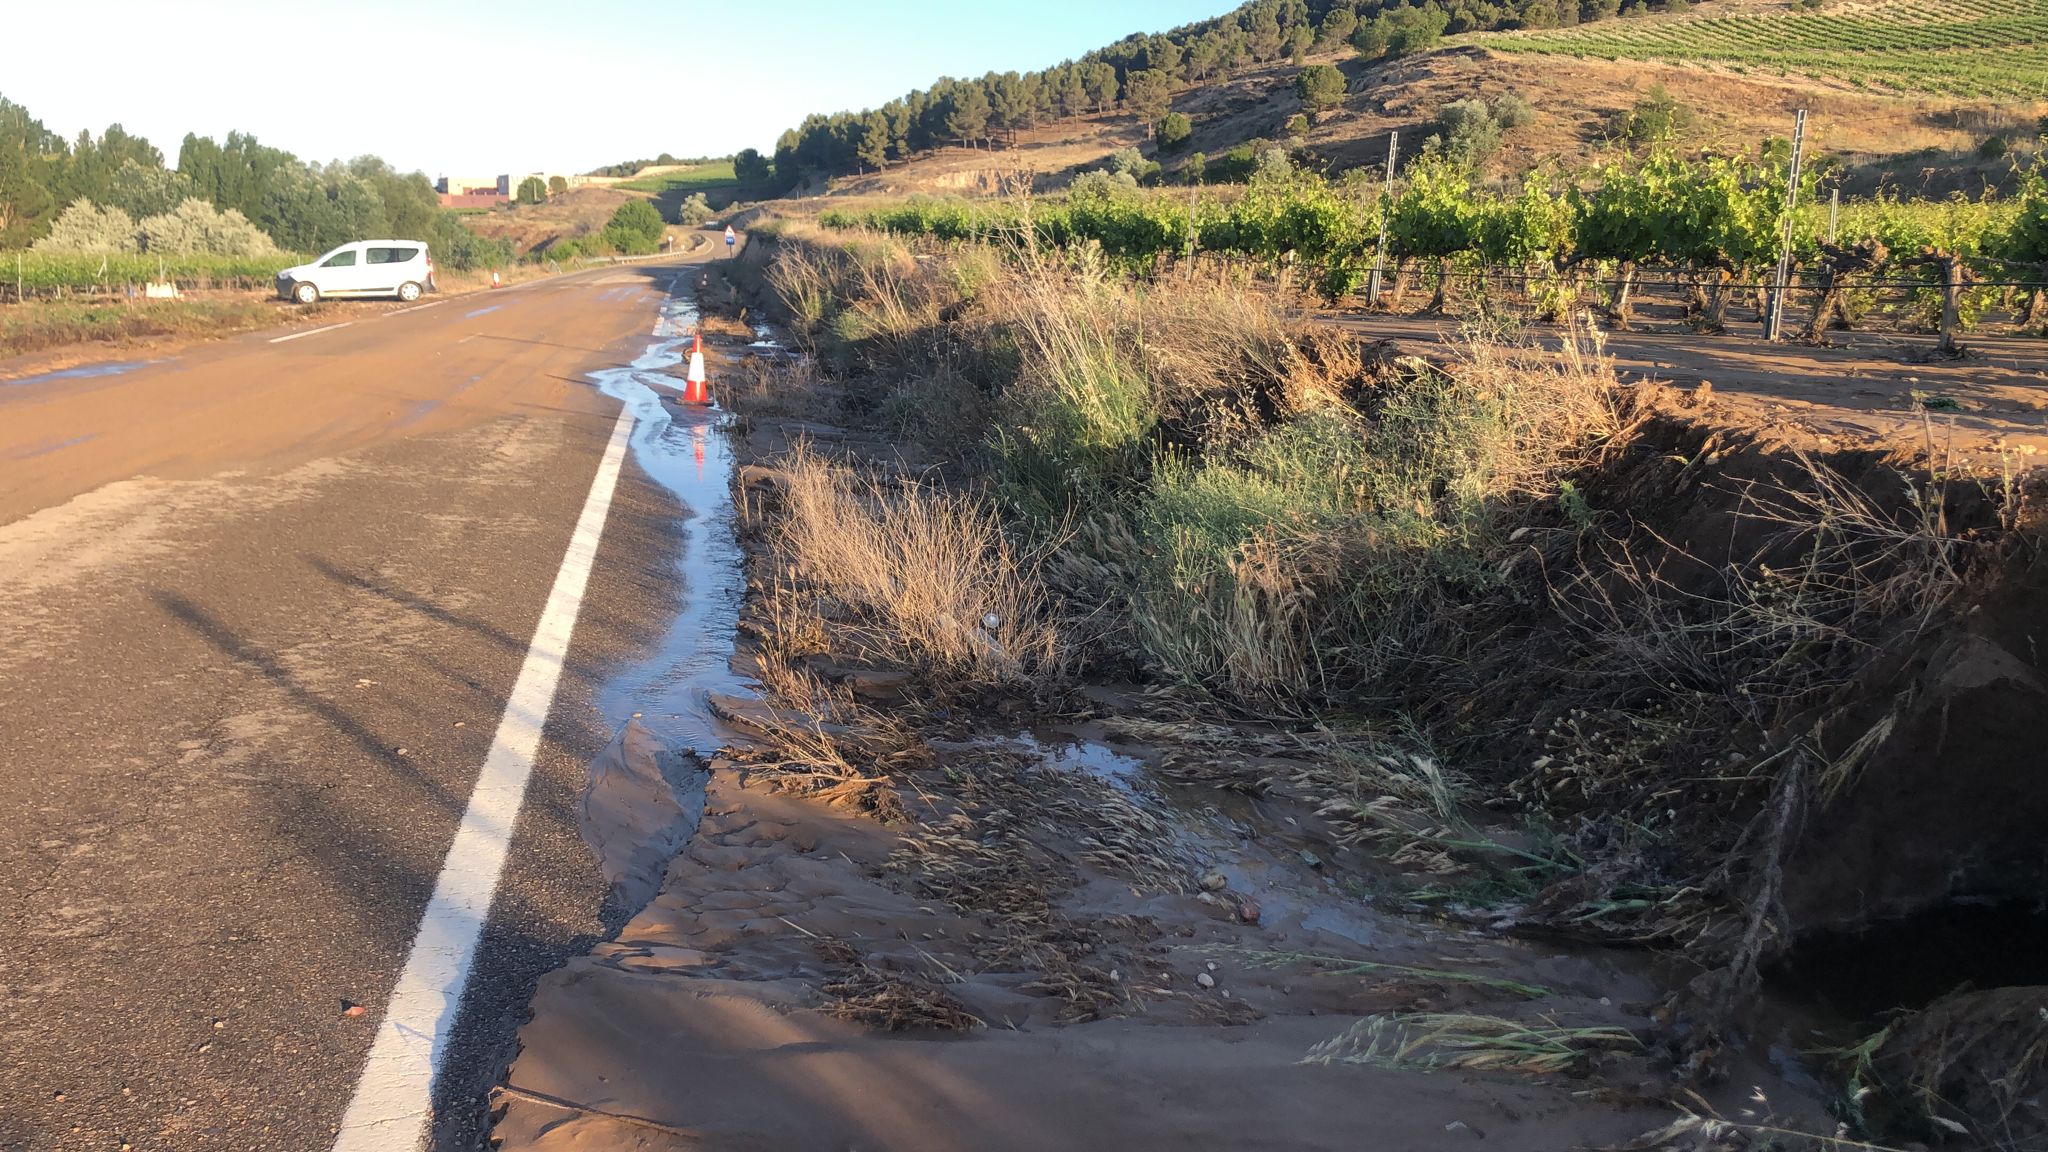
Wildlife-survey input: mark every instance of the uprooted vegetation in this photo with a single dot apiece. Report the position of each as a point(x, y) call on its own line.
point(1551, 651)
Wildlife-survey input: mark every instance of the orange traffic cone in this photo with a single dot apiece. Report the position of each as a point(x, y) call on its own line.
point(494, 277)
point(695, 388)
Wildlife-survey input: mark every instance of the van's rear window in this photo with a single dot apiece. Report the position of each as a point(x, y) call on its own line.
point(392, 255)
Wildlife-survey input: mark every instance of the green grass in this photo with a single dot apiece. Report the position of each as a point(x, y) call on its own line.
point(1963, 48)
point(697, 178)
point(42, 324)
point(45, 273)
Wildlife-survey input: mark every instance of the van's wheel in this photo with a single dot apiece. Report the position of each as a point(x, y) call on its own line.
point(305, 293)
point(408, 291)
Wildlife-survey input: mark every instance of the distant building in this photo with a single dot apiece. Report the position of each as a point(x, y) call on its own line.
point(474, 185)
point(473, 191)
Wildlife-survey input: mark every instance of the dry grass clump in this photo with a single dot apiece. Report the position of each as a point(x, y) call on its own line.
point(1831, 578)
point(1432, 1040)
point(1332, 550)
point(929, 576)
point(886, 1001)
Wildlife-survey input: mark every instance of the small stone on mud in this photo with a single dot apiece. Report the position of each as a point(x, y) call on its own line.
point(1212, 965)
point(1205, 980)
point(1248, 911)
point(403, 751)
point(458, 724)
point(1215, 882)
point(351, 1009)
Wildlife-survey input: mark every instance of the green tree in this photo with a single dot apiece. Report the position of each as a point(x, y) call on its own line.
point(967, 114)
point(1148, 94)
point(557, 185)
point(1320, 87)
point(1173, 131)
point(872, 150)
point(750, 167)
point(532, 190)
point(1098, 83)
point(1337, 26)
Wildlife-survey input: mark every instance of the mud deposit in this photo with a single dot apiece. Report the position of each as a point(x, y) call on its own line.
point(1036, 926)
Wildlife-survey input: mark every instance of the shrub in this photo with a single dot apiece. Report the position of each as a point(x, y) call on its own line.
point(1130, 165)
point(694, 210)
point(532, 190)
point(86, 227)
point(1512, 111)
point(1658, 116)
point(458, 249)
point(635, 229)
point(1196, 169)
point(1173, 130)
point(196, 226)
point(1468, 134)
point(557, 185)
point(1297, 124)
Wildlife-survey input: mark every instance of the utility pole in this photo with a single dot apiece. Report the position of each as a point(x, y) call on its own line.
point(1775, 320)
point(1379, 252)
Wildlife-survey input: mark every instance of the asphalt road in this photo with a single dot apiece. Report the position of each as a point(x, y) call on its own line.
point(261, 607)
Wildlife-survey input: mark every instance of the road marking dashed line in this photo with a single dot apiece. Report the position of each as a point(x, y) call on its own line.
point(310, 332)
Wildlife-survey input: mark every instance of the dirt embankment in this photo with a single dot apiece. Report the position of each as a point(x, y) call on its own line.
point(1727, 694)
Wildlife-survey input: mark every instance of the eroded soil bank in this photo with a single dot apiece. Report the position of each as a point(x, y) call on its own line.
point(1086, 911)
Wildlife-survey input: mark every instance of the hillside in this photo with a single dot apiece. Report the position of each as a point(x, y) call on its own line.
point(1971, 49)
point(1889, 104)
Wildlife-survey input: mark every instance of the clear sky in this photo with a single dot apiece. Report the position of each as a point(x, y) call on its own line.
point(521, 85)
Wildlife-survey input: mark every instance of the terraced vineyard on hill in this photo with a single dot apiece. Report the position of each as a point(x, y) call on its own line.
point(1964, 48)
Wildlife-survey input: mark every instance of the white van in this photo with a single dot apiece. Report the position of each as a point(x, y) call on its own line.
point(400, 268)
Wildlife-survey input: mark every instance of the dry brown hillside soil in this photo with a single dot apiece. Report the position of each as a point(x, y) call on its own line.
point(577, 212)
point(1870, 391)
point(1919, 143)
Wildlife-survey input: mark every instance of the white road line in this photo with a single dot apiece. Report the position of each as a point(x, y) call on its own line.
point(394, 1098)
point(310, 332)
point(415, 308)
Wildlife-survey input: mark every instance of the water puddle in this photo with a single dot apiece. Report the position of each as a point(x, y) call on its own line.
point(683, 450)
point(644, 794)
point(82, 372)
point(481, 311)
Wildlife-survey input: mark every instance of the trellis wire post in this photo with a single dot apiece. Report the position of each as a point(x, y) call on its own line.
point(1379, 252)
point(1776, 319)
point(1834, 212)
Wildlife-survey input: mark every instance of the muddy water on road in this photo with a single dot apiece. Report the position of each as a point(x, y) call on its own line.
point(646, 791)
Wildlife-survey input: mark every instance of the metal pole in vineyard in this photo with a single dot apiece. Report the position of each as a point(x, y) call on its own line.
point(1776, 319)
point(1834, 212)
point(1379, 252)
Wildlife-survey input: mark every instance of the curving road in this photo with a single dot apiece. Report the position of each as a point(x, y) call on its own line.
point(262, 608)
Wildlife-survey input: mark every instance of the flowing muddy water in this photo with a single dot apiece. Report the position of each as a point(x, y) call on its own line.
point(646, 791)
